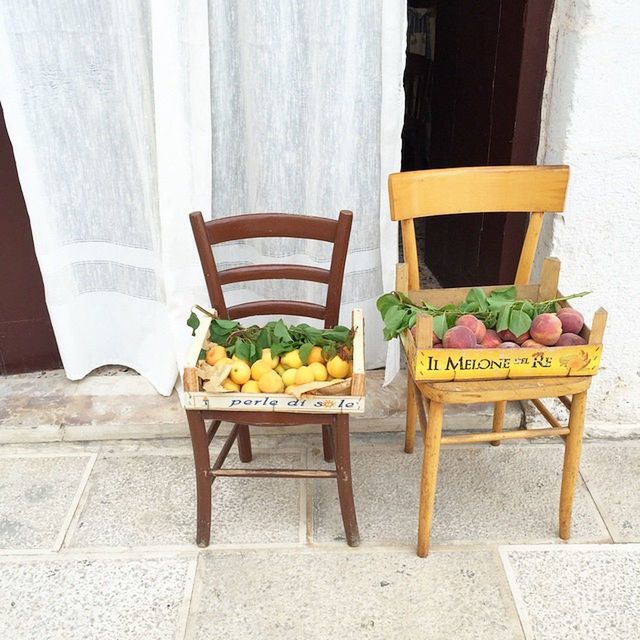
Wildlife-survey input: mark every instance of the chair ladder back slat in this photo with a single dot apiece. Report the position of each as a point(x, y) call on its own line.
point(274, 272)
point(336, 270)
point(211, 277)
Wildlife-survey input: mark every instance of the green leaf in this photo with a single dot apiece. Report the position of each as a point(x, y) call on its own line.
point(243, 349)
point(305, 350)
point(503, 317)
point(440, 325)
point(203, 354)
point(478, 298)
point(384, 302)
point(193, 322)
point(519, 322)
point(280, 331)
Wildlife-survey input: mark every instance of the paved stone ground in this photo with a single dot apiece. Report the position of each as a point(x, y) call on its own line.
point(96, 537)
point(96, 541)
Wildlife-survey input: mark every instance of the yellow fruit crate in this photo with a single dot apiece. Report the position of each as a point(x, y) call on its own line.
point(442, 365)
point(195, 398)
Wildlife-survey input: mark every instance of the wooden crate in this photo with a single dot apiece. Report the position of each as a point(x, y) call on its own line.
point(194, 398)
point(429, 364)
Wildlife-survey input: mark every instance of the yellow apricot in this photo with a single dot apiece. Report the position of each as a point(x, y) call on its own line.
point(319, 371)
point(230, 385)
point(337, 367)
point(251, 386)
point(259, 368)
point(289, 377)
point(304, 375)
point(271, 382)
point(315, 355)
point(215, 353)
point(240, 372)
point(291, 360)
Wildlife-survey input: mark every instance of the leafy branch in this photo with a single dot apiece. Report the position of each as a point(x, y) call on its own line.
point(247, 343)
point(499, 310)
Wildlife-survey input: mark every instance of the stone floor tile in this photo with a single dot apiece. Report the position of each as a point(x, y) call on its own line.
point(144, 500)
point(612, 474)
point(349, 594)
point(93, 599)
point(577, 592)
point(508, 493)
point(37, 498)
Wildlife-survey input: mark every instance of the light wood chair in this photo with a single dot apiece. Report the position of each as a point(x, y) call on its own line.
point(473, 190)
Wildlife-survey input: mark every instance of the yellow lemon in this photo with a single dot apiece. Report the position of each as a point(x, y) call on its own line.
point(280, 370)
point(315, 355)
point(217, 352)
point(259, 368)
point(267, 357)
point(337, 367)
point(319, 371)
point(271, 382)
point(289, 377)
point(250, 387)
point(230, 385)
point(226, 360)
point(291, 360)
point(240, 372)
point(304, 375)
point(288, 390)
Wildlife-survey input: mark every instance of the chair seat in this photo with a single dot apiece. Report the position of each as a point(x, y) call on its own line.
point(476, 391)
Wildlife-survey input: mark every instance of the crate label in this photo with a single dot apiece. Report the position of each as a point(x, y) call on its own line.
point(500, 364)
point(274, 402)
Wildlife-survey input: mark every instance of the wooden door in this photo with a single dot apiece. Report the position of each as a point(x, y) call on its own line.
point(27, 342)
point(488, 79)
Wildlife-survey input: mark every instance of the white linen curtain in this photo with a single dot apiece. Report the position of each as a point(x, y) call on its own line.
point(126, 116)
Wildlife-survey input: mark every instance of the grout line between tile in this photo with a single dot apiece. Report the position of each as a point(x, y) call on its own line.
point(185, 605)
point(191, 622)
point(505, 586)
point(597, 506)
point(80, 502)
point(66, 523)
point(516, 593)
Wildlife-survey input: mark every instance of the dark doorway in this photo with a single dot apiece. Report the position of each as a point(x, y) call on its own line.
point(27, 342)
point(473, 84)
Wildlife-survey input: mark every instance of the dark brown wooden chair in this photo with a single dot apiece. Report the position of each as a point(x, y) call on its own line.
point(335, 427)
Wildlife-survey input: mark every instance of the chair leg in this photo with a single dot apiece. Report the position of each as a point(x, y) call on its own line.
point(244, 443)
point(345, 488)
point(327, 443)
point(412, 415)
point(200, 444)
point(572, 450)
point(430, 460)
point(499, 409)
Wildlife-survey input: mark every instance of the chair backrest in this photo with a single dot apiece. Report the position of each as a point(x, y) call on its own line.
point(510, 189)
point(270, 225)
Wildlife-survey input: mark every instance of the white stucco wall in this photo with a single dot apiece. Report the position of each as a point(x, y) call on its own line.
point(591, 121)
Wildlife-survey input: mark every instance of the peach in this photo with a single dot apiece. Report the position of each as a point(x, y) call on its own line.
point(509, 345)
point(491, 340)
point(507, 336)
point(569, 340)
point(571, 319)
point(546, 329)
point(459, 337)
point(477, 326)
point(531, 344)
point(438, 345)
